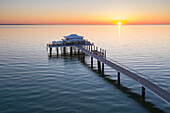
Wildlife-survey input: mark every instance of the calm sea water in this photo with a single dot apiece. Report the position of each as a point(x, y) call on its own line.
point(30, 82)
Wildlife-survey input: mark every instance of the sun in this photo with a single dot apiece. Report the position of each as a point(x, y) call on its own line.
point(119, 23)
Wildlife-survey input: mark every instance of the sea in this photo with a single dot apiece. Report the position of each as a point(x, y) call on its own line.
point(32, 82)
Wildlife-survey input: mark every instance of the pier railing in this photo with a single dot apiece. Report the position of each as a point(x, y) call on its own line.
point(139, 77)
point(131, 70)
point(138, 73)
point(128, 68)
point(69, 44)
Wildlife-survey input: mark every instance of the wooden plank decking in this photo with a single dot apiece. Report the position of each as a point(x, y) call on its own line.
point(164, 95)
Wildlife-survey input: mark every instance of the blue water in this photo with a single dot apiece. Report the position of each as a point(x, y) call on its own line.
point(31, 82)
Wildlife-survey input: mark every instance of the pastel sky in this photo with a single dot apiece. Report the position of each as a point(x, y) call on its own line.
point(84, 11)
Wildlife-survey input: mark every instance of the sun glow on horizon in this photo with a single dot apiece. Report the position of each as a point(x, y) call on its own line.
point(119, 21)
point(85, 12)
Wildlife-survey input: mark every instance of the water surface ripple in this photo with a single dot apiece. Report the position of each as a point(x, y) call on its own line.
point(33, 83)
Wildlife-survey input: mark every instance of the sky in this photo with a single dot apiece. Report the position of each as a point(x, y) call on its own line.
point(102, 12)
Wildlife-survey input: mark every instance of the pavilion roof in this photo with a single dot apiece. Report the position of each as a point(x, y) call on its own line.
point(74, 40)
point(73, 36)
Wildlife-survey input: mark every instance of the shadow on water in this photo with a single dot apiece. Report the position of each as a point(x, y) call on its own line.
point(136, 97)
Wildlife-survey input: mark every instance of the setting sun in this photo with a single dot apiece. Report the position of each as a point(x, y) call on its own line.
point(119, 23)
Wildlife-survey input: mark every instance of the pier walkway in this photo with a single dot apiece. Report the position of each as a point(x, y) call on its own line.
point(164, 95)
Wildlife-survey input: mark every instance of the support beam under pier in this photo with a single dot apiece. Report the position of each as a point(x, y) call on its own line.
point(83, 57)
point(64, 50)
point(91, 62)
point(102, 68)
point(50, 51)
point(57, 50)
point(71, 50)
point(99, 66)
point(143, 93)
point(118, 77)
point(75, 50)
point(78, 53)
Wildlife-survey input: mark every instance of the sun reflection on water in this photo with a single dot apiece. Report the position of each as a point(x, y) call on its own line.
point(119, 28)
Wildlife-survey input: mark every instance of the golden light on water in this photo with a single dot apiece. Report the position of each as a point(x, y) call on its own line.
point(119, 28)
point(119, 22)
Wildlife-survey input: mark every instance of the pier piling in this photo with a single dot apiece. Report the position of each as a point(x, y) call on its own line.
point(118, 77)
point(83, 57)
point(143, 92)
point(99, 66)
point(103, 68)
point(50, 51)
point(64, 50)
point(78, 53)
point(74, 50)
point(71, 50)
point(57, 50)
point(92, 62)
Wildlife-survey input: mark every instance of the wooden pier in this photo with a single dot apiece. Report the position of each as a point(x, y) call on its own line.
point(144, 82)
point(100, 56)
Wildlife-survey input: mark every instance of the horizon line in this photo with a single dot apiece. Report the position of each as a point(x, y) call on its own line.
point(83, 24)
